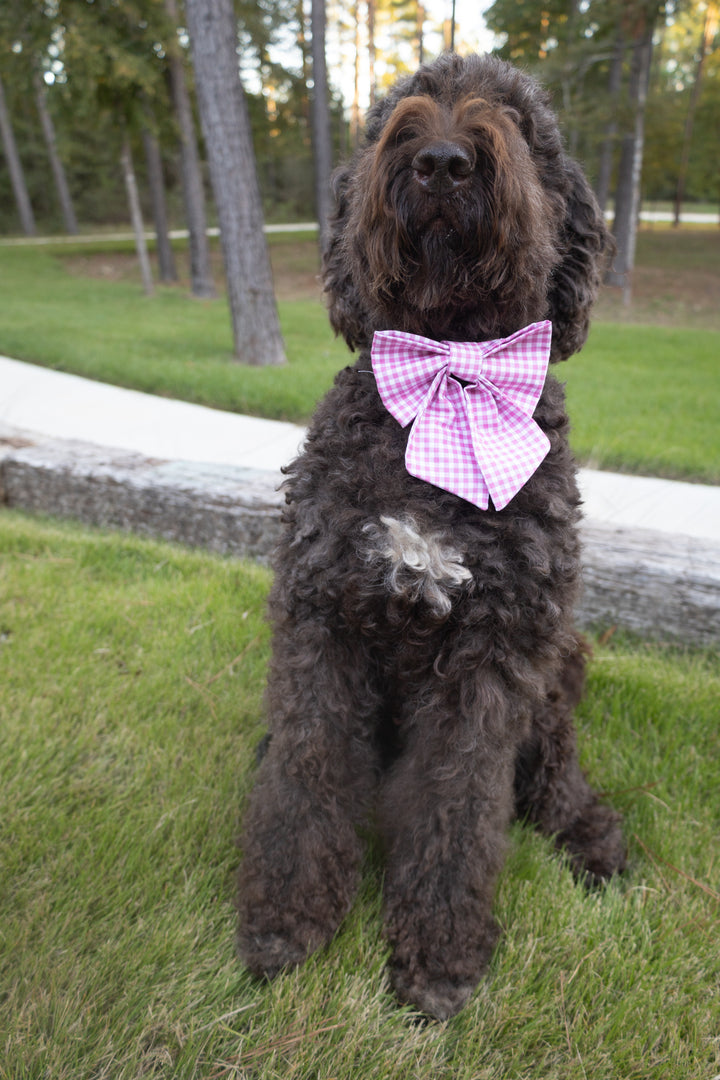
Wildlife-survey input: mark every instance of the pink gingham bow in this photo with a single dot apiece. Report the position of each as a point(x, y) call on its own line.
point(472, 403)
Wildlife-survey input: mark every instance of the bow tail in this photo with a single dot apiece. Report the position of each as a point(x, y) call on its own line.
point(476, 443)
point(508, 453)
point(440, 450)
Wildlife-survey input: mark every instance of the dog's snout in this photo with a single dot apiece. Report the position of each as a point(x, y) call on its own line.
point(442, 166)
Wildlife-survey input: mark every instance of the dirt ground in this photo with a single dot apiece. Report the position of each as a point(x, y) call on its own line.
point(296, 268)
point(666, 290)
point(663, 295)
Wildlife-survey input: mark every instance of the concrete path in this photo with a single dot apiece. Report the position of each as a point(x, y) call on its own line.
point(63, 406)
point(124, 235)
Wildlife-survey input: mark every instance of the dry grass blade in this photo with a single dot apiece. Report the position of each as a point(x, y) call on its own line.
point(284, 1042)
point(205, 693)
point(628, 790)
point(224, 1017)
point(655, 859)
point(237, 659)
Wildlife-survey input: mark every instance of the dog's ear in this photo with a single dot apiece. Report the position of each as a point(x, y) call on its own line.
point(347, 316)
point(586, 245)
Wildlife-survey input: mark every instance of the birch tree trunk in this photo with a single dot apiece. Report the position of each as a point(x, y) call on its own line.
point(627, 197)
point(355, 105)
point(602, 189)
point(708, 32)
point(226, 126)
point(372, 48)
point(136, 216)
point(17, 176)
point(58, 170)
point(320, 120)
point(166, 258)
point(421, 32)
point(201, 280)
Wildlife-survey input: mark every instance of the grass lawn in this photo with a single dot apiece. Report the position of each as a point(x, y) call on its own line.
point(132, 675)
point(646, 399)
point(170, 344)
point(643, 395)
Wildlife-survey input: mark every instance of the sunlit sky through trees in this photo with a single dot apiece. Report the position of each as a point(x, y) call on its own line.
point(471, 34)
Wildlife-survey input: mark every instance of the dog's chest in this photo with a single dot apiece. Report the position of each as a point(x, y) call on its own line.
point(378, 541)
point(415, 564)
point(408, 541)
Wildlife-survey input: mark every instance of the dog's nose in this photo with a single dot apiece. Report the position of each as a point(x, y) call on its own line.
point(442, 166)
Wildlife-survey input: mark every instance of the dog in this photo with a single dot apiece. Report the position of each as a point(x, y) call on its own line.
point(425, 665)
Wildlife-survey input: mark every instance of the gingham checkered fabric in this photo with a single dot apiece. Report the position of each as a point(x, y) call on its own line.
point(474, 437)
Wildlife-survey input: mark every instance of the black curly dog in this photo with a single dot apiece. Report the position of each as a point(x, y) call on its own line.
point(425, 665)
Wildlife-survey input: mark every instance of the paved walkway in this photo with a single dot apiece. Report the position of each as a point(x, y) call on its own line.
point(113, 237)
point(60, 406)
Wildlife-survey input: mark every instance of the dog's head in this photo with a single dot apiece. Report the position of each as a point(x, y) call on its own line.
point(461, 217)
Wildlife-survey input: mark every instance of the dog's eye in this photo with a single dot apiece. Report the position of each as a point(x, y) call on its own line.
point(524, 124)
point(406, 134)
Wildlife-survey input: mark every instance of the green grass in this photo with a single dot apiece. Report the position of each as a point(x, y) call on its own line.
point(643, 398)
point(132, 675)
point(170, 344)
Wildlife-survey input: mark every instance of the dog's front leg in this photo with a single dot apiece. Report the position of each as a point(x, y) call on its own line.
point(301, 850)
point(445, 808)
point(552, 790)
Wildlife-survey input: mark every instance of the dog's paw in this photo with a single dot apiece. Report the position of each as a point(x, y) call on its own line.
point(595, 845)
point(267, 954)
point(439, 979)
point(438, 999)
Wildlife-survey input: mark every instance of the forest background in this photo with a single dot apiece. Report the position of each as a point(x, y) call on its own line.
point(94, 77)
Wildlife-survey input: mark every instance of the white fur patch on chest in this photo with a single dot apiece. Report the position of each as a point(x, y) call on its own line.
point(418, 566)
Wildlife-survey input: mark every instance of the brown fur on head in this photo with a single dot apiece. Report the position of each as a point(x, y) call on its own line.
point(510, 235)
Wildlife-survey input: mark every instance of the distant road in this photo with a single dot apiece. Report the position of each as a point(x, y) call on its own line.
point(689, 218)
point(175, 234)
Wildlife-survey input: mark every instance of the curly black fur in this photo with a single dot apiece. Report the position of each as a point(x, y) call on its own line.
point(425, 664)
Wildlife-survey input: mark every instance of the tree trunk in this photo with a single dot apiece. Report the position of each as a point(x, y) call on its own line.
point(166, 259)
point(372, 49)
point(201, 280)
point(321, 120)
point(355, 106)
point(136, 216)
point(421, 32)
point(608, 146)
point(627, 196)
point(226, 125)
point(304, 48)
point(709, 27)
point(17, 176)
point(58, 171)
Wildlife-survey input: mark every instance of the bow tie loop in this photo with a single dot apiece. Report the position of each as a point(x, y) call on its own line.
point(472, 404)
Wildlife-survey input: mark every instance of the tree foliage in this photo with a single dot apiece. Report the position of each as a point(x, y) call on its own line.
point(570, 45)
point(105, 65)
